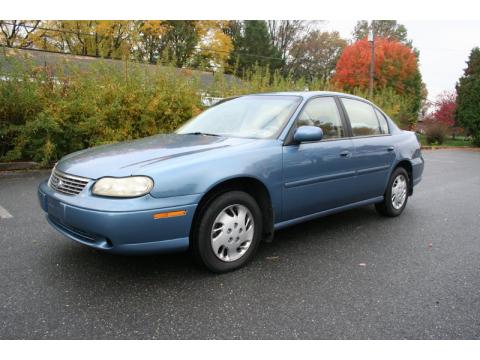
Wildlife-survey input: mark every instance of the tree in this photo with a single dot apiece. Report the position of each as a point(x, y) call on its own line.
point(315, 56)
point(396, 67)
point(445, 109)
point(284, 33)
point(215, 44)
point(441, 120)
point(179, 41)
point(468, 97)
point(148, 39)
point(203, 43)
point(18, 33)
point(252, 45)
point(104, 38)
point(388, 29)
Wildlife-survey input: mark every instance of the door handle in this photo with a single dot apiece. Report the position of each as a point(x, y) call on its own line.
point(345, 154)
point(390, 148)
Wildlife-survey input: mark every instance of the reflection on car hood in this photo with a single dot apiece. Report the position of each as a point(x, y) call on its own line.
point(126, 158)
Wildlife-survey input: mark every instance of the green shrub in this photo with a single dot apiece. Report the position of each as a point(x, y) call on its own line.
point(435, 133)
point(43, 117)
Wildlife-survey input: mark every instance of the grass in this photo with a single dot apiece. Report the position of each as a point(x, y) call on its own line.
point(459, 141)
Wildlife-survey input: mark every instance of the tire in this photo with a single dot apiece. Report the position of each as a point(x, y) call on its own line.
point(389, 207)
point(237, 219)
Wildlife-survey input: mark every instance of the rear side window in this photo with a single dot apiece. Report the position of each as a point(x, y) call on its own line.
point(323, 113)
point(382, 121)
point(362, 117)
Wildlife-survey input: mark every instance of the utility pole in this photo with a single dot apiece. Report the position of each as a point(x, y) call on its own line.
point(371, 40)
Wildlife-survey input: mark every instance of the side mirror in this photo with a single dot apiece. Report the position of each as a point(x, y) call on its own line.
point(307, 133)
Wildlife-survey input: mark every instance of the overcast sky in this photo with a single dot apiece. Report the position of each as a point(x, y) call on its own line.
point(444, 48)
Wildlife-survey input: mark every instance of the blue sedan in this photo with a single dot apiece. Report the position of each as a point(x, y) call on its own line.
point(230, 177)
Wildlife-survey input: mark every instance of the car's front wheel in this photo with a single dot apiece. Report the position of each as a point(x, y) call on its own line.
point(228, 232)
point(396, 195)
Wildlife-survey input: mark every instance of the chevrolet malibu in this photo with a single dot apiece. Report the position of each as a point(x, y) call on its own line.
point(230, 177)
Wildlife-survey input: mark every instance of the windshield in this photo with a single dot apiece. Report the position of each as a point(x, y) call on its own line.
point(252, 116)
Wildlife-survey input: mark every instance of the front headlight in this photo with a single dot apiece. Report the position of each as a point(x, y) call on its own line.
point(131, 186)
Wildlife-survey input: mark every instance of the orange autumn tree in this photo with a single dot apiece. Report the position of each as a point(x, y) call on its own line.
point(396, 68)
point(395, 65)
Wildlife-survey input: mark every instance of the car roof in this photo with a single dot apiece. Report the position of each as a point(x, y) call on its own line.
point(304, 94)
point(309, 94)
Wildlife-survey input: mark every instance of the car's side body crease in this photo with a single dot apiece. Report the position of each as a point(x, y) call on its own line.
point(317, 179)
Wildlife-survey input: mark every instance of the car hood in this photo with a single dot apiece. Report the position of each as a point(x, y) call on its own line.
point(130, 157)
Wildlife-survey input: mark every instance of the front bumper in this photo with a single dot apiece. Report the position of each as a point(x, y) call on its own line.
point(120, 225)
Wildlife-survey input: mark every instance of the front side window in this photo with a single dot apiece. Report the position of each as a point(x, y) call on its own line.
point(362, 117)
point(252, 116)
point(323, 113)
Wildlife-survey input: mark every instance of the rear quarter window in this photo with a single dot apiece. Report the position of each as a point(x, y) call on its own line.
point(383, 122)
point(362, 118)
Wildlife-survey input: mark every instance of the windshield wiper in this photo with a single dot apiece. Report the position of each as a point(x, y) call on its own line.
point(201, 133)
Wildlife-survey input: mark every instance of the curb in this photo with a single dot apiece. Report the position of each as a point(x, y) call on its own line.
point(18, 165)
point(470, 148)
point(428, 147)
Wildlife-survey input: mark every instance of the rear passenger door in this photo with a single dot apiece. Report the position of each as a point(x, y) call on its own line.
point(373, 154)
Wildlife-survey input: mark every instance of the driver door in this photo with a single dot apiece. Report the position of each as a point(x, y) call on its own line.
point(319, 175)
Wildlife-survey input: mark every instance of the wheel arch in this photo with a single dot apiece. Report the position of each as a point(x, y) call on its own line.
point(252, 186)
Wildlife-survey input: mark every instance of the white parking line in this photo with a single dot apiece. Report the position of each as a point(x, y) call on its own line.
point(4, 214)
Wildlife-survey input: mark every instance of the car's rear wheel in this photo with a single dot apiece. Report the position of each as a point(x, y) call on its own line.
point(396, 195)
point(228, 232)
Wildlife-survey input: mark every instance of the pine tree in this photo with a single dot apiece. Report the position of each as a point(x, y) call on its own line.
point(468, 97)
point(253, 46)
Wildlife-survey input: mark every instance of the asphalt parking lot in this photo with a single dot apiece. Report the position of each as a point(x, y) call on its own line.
point(353, 275)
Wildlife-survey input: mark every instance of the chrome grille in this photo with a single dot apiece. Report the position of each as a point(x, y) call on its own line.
point(67, 184)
